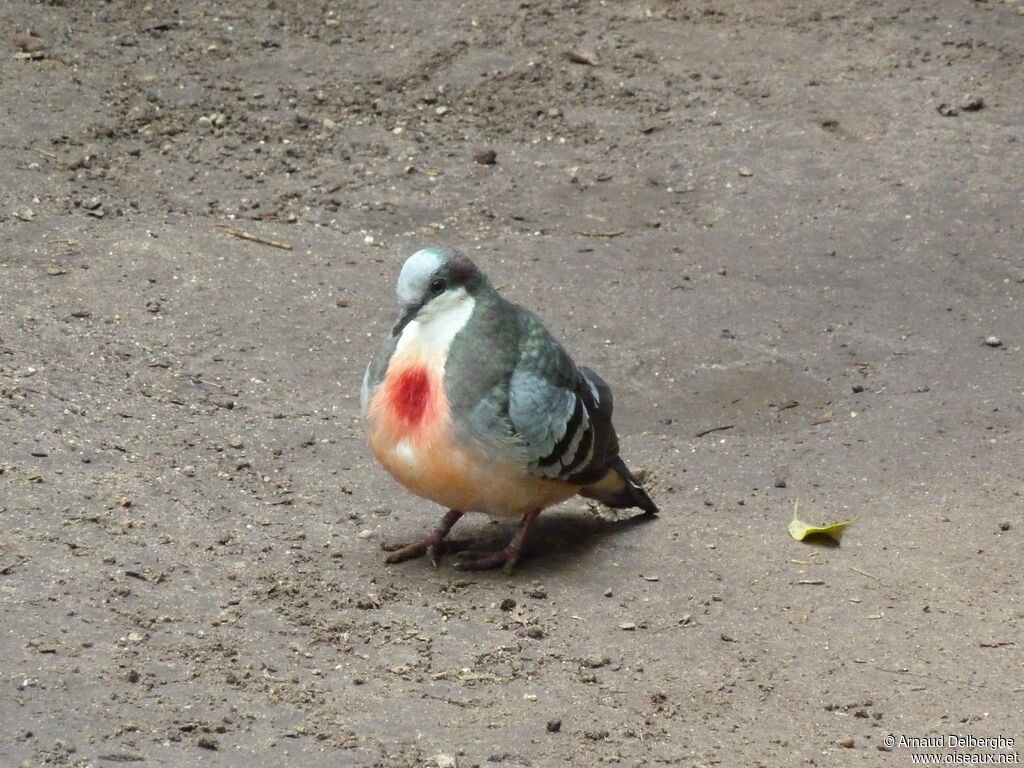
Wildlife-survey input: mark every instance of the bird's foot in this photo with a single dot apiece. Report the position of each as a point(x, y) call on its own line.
point(433, 545)
point(506, 558)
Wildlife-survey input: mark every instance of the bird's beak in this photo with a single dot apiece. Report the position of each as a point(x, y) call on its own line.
point(406, 315)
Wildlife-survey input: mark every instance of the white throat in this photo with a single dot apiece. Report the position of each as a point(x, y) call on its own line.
point(429, 336)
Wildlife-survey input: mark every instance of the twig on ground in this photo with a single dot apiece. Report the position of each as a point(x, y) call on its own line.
point(241, 234)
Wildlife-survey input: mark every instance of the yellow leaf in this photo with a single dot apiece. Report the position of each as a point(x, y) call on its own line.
point(799, 530)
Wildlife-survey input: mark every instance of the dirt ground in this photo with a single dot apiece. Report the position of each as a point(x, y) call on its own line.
point(789, 234)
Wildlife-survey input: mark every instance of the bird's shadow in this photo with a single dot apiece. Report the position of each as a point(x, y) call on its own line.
point(557, 541)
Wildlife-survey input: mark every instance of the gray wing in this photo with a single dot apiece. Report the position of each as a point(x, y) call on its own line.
point(376, 370)
point(560, 413)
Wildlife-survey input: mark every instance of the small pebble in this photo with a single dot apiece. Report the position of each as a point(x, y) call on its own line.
point(846, 743)
point(628, 626)
point(1004, 526)
point(27, 42)
point(993, 341)
point(208, 742)
point(608, 592)
point(554, 726)
point(746, 172)
point(366, 533)
point(486, 157)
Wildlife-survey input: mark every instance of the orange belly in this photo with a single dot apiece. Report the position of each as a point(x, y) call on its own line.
point(409, 431)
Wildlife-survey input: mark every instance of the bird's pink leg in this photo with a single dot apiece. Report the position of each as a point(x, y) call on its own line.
point(507, 557)
point(432, 545)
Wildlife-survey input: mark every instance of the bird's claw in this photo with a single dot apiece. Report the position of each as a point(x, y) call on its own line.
point(434, 548)
point(485, 561)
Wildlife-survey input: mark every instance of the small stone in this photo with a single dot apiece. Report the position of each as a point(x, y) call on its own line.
point(27, 42)
point(535, 633)
point(486, 157)
point(554, 726)
point(188, 470)
point(366, 533)
point(91, 203)
point(208, 742)
point(780, 482)
point(972, 103)
point(1004, 526)
point(446, 761)
point(124, 501)
point(596, 661)
point(746, 172)
point(608, 592)
point(328, 124)
point(993, 341)
point(538, 591)
point(846, 743)
point(627, 626)
point(24, 213)
point(132, 676)
point(507, 604)
point(441, 111)
point(857, 388)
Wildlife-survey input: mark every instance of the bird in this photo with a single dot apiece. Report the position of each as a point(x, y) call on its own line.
point(471, 403)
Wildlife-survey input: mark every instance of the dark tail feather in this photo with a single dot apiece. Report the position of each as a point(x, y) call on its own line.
point(620, 490)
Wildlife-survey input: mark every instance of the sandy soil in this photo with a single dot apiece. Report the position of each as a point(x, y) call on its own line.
point(798, 224)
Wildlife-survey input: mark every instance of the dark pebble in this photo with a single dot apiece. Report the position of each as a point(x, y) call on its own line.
point(486, 157)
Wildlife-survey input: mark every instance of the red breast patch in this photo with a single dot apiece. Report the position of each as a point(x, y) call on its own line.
point(410, 394)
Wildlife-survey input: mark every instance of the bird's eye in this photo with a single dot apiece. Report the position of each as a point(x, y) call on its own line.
point(437, 285)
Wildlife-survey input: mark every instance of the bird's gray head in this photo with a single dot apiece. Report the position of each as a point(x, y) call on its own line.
point(434, 280)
